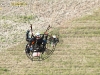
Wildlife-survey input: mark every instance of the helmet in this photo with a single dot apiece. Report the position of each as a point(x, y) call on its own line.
point(37, 34)
point(54, 36)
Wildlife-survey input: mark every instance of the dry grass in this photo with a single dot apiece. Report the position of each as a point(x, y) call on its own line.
point(76, 54)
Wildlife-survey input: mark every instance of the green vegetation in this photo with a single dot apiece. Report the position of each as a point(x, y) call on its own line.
point(20, 18)
point(26, 18)
point(93, 17)
point(4, 71)
point(18, 3)
point(84, 31)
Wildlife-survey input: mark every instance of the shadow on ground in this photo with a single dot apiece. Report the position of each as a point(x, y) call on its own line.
point(47, 53)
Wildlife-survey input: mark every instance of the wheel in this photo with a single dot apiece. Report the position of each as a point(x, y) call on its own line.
point(28, 52)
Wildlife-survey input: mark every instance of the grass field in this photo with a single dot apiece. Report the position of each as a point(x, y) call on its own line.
point(78, 52)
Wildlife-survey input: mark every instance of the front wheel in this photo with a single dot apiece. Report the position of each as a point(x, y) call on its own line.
point(28, 52)
point(27, 49)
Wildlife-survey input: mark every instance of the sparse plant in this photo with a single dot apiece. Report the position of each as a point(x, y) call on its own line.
point(18, 3)
point(4, 69)
point(26, 18)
